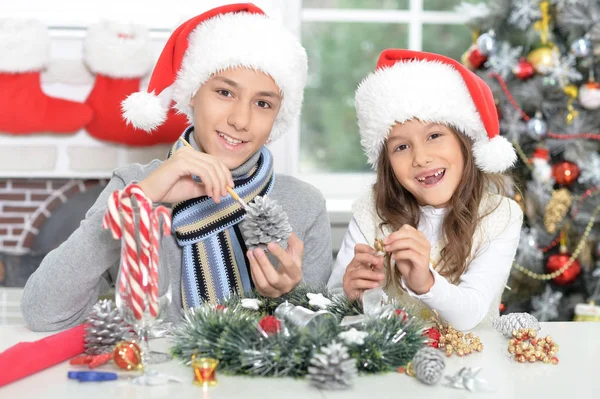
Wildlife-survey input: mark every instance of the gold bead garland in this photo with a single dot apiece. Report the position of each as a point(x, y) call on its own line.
point(526, 347)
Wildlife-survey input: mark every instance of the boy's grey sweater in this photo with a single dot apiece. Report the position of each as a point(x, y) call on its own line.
point(67, 284)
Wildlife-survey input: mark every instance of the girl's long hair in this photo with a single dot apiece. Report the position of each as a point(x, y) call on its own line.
point(396, 207)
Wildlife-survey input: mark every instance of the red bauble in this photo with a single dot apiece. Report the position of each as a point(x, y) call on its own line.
point(557, 261)
point(565, 173)
point(127, 356)
point(270, 325)
point(476, 59)
point(502, 307)
point(524, 69)
point(400, 312)
point(434, 336)
point(221, 307)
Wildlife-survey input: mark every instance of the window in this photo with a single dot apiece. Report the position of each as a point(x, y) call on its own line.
point(343, 39)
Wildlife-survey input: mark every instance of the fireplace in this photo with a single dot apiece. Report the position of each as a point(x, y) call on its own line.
point(36, 216)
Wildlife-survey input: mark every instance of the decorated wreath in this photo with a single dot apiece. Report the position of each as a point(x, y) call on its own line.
point(307, 331)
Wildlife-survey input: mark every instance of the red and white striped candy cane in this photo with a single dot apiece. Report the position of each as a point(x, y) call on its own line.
point(137, 266)
point(112, 221)
point(154, 254)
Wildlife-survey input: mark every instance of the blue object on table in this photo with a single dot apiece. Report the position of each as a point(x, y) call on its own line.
point(89, 376)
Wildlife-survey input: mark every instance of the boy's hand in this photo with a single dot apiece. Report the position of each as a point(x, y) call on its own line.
point(172, 181)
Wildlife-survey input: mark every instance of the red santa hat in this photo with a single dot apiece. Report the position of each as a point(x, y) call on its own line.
point(236, 35)
point(432, 88)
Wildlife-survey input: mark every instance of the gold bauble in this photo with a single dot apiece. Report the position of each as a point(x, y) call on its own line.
point(541, 57)
point(464, 59)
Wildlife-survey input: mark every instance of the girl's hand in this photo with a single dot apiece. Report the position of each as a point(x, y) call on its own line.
point(172, 181)
point(364, 272)
point(411, 250)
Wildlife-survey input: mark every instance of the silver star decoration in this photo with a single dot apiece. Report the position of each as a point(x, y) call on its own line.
point(318, 301)
point(512, 125)
point(504, 60)
point(545, 306)
point(250, 303)
point(466, 378)
point(473, 13)
point(523, 13)
point(353, 336)
point(528, 252)
point(590, 170)
point(567, 3)
point(563, 70)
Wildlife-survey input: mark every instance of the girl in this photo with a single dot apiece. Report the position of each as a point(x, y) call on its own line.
point(239, 77)
point(429, 127)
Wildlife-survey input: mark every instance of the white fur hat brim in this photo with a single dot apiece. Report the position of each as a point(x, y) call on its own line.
point(118, 50)
point(430, 91)
point(24, 46)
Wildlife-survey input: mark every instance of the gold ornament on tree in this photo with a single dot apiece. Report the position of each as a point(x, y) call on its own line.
point(556, 210)
point(543, 25)
point(572, 92)
point(544, 56)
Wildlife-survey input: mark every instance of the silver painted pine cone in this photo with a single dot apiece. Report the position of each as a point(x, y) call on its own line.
point(265, 222)
point(429, 365)
point(332, 368)
point(515, 321)
point(105, 328)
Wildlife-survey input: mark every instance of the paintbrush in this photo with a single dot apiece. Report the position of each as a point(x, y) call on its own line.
point(229, 189)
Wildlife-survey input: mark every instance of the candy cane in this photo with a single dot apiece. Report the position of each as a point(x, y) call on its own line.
point(154, 255)
point(112, 221)
point(138, 265)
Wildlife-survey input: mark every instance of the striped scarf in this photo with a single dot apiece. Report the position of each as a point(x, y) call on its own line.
point(214, 262)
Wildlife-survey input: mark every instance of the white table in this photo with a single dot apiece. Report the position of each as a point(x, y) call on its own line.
point(577, 374)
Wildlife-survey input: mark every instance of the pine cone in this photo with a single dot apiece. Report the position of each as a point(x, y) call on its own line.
point(429, 365)
point(515, 321)
point(105, 328)
point(333, 368)
point(265, 222)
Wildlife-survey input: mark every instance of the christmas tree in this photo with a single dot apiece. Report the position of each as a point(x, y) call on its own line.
point(540, 58)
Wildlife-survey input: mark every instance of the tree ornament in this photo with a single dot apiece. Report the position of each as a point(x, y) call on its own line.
point(524, 69)
point(265, 222)
point(556, 209)
point(515, 321)
point(561, 261)
point(332, 368)
point(582, 47)
point(429, 365)
point(587, 312)
point(542, 171)
point(545, 306)
point(127, 356)
point(537, 127)
point(589, 95)
point(270, 325)
point(104, 328)
point(475, 59)
point(486, 43)
point(542, 59)
point(571, 91)
point(565, 173)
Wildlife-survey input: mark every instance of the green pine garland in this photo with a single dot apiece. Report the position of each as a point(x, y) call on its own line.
point(231, 336)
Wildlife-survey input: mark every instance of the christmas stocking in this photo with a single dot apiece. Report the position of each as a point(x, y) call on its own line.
point(120, 55)
point(24, 108)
